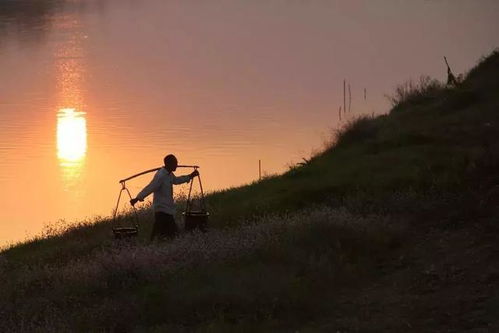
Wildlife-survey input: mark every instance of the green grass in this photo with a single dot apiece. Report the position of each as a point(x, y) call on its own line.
point(283, 247)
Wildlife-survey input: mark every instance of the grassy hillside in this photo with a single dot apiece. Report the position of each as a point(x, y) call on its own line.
point(392, 228)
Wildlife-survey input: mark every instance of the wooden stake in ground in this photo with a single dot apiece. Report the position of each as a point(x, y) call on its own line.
point(339, 113)
point(259, 169)
point(349, 99)
point(344, 96)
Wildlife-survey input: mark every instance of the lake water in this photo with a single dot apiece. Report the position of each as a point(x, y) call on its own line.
point(93, 91)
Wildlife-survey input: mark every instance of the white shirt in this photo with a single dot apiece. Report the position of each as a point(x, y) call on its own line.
point(162, 187)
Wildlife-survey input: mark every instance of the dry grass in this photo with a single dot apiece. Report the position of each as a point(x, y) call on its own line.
point(411, 92)
point(48, 296)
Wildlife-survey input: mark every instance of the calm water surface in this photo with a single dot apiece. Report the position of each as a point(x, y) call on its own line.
point(93, 91)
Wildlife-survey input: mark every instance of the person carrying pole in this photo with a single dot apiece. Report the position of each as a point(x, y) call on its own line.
point(451, 79)
point(163, 204)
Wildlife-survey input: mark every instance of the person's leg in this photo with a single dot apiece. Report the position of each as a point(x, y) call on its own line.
point(164, 226)
point(171, 229)
point(159, 222)
point(155, 226)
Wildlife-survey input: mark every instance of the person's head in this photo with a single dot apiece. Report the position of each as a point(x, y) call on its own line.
point(170, 163)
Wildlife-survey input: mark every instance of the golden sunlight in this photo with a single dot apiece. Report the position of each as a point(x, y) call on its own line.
point(71, 136)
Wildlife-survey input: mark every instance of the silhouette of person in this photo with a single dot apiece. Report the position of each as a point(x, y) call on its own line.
point(451, 79)
point(163, 204)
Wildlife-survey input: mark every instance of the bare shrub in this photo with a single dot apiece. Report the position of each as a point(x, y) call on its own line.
point(356, 130)
point(413, 92)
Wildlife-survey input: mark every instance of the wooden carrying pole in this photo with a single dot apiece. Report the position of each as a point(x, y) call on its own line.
point(155, 169)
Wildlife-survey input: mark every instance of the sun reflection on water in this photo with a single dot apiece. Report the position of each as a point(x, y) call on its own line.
point(71, 141)
point(71, 135)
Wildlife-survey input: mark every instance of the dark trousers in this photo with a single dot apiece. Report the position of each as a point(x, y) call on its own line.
point(164, 226)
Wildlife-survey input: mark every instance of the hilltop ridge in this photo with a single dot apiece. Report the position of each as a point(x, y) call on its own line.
point(392, 228)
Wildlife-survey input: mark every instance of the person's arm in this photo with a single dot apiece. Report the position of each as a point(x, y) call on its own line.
point(184, 179)
point(151, 187)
